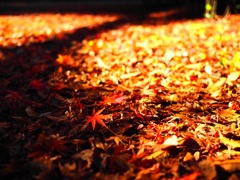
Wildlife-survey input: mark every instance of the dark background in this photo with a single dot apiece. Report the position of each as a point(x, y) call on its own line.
point(194, 7)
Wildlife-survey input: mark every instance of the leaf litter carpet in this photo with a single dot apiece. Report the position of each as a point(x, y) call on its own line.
point(118, 97)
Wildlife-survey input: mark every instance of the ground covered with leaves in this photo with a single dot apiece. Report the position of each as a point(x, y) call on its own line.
point(87, 96)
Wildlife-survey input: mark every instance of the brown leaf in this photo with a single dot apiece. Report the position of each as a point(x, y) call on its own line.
point(86, 155)
point(30, 111)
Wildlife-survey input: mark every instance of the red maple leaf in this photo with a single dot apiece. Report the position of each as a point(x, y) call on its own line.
point(97, 117)
point(113, 99)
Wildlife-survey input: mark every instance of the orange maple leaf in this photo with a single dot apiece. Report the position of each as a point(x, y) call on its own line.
point(97, 117)
point(65, 60)
point(113, 99)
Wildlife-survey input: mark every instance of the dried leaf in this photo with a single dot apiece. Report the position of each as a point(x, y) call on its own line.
point(196, 155)
point(30, 111)
point(114, 99)
point(214, 89)
point(65, 60)
point(86, 155)
point(188, 157)
point(236, 61)
point(156, 154)
point(233, 76)
point(171, 141)
point(58, 118)
point(229, 114)
point(208, 69)
point(117, 139)
point(233, 144)
point(129, 75)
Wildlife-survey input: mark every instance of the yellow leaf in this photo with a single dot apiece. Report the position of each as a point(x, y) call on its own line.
point(188, 157)
point(236, 60)
point(216, 86)
point(233, 153)
point(173, 97)
point(229, 114)
point(233, 76)
point(202, 56)
point(208, 69)
point(129, 75)
point(229, 142)
point(155, 154)
point(117, 140)
point(171, 141)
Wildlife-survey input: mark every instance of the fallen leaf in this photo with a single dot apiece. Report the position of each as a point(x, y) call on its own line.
point(229, 114)
point(215, 88)
point(171, 141)
point(208, 69)
point(129, 75)
point(236, 61)
point(30, 111)
point(97, 117)
point(86, 155)
point(196, 155)
point(233, 144)
point(188, 157)
point(114, 99)
point(192, 176)
point(65, 60)
point(233, 76)
point(157, 154)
